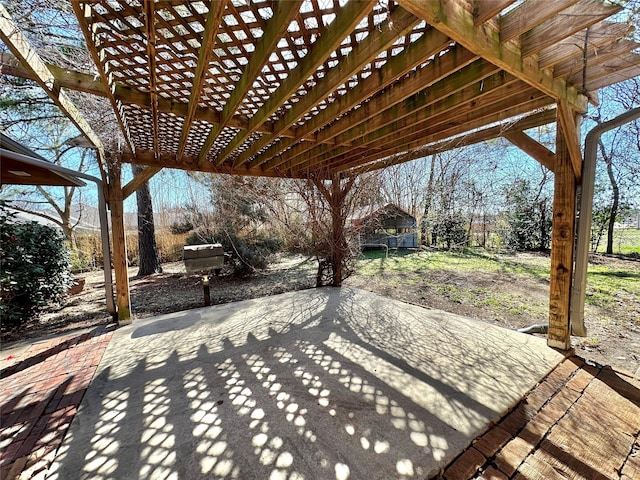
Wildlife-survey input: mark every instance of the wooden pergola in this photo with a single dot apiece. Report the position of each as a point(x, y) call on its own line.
point(327, 89)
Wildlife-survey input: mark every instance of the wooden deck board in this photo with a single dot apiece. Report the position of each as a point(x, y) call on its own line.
point(581, 422)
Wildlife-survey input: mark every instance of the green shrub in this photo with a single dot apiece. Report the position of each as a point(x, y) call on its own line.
point(451, 231)
point(181, 226)
point(528, 217)
point(34, 268)
point(79, 263)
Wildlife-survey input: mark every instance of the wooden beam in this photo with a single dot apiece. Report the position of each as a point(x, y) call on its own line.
point(139, 180)
point(212, 23)
point(346, 20)
point(72, 80)
point(123, 300)
point(538, 119)
point(418, 52)
point(275, 29)
point(596, 36)
point(448, 94)
point(632, 71)
point(485, 10)
point(150, 30)
point(190, 163)
point(567, 118)
point(31, 61)
point(562, 242)
point(454, 20)
point(439, 128)
point(455, 94)
point(575, 18)
point(400, 22)
point(528, 15)
point(532, 148)
point(83, 13)
point(612, 68)
point(438, 110)
point(458, 65)
point(531, 121)
point(595, 57)
point(424, 133)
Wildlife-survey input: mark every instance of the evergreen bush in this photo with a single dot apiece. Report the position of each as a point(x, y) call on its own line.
point(34, 268)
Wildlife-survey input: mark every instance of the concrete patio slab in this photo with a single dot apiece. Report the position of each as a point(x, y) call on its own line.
point(318, 384)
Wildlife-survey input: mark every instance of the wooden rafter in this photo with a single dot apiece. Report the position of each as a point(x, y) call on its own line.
point(276, 27)
point(393, 105)
point(150, 26)
point(432, 128)
point(595, 37)
point(415, 111)
point(432, 131)
point(595, 57)
point(632, 71)
point(572, 20)
point(214, 16)
point(484, 10)
point(440, 68)
point(537, 119)
point(528, 15)
point(613, 66)
point(82, 14)
point(348, 18)
point(429, 44)
point(400, 22)
point(453, 19)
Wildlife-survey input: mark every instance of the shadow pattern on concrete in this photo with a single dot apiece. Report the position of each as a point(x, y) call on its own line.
point(326, 383)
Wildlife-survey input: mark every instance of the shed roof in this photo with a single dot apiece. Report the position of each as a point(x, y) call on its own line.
point(17, 170)
point(389, 210)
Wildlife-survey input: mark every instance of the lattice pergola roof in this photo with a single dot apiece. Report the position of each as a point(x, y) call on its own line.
point(291, 88)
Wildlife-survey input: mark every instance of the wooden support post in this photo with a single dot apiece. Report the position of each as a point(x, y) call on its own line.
point(206, 289)
point(562, 242)
point(116, 198)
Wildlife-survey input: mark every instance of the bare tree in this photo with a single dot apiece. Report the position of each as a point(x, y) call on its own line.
point(53, 138)
point(619, 151)
point(329, 206)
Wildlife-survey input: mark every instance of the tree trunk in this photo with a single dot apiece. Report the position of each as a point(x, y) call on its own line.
point(427, 205)
point(148, 259)
point(339, 249)
point(69, 233)
point(615, 197)
point(339, 242)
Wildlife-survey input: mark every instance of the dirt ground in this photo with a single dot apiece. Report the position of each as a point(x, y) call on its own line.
point(609, 342)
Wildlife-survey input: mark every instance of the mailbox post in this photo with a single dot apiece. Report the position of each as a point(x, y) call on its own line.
point(203, 259)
